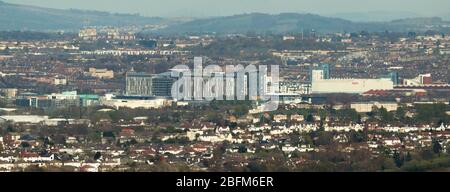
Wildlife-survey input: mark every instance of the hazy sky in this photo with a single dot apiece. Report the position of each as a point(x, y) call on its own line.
point(201, 8)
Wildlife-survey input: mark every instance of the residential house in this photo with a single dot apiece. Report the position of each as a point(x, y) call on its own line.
point(280, 118)
point(297, 118)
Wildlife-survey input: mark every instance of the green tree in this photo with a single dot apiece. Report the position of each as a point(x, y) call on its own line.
point(25, 145)
point(348, 115)
point(97, 156)
point(408, 157)
point(437, 148)
point(426, 154)
point(398, 159)
point(357, 137)
point(431, 113)
point(242, 149)
point(400, 113)
point(324, 138)
point(385, 116)
point(255, 167)
point(309, 118)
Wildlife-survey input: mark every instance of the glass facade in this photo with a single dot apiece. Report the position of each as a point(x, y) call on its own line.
point(139, 84)
point(144, 84)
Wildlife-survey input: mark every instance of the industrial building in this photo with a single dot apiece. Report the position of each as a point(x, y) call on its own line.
point(57, 100)
point(351, 86)
point(134, 102)
point(365, 107)
point(101, 73)
point(422, 79)
point(322, 83)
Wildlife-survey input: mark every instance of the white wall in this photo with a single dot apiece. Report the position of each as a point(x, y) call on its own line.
point(367, 107)
point(133, 104)
point(350, 85)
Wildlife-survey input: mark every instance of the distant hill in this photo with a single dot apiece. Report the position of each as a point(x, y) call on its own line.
point(293, 22)
point(23, 17)
point(374, 16)
point(31, 18)
point(418, 24)
point(258, 22)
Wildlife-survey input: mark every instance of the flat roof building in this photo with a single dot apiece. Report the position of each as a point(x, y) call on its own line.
point(351, 86)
